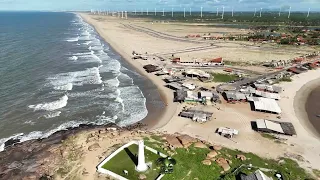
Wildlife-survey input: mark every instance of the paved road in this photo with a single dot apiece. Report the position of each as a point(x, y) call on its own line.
point(161, 35)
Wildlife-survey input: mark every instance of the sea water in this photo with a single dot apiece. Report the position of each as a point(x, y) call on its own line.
point(56, 72)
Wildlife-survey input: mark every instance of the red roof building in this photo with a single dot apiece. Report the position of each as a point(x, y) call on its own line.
point(217, 60)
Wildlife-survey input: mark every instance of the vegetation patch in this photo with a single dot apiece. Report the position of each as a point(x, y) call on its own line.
point(127, 159)
point(189, 165)
point(316, 172)
point(285, 79)
point(220, 77)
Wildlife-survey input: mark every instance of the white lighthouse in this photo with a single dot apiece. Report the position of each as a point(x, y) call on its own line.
point(142, 166)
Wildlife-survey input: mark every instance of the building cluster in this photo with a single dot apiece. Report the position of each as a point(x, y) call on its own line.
point(202, 63)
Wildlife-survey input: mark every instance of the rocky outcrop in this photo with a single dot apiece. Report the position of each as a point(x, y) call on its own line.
point(223, 163)
point(186, 140)
point(206, 162)
point(37, 158)
point(212, 154)
point(241, 157)
point(200, 145)
point(94, 147)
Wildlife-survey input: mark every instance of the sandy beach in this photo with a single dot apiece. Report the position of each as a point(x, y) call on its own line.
point(303, 147)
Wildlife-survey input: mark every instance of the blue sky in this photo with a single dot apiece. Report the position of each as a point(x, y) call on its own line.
point(208, 5)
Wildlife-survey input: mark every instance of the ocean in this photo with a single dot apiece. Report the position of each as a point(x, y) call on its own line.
point(56, 72)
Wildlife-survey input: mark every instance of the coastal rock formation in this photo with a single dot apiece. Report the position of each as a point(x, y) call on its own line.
point(173, 141)
point(186, 140)
point(94, 147)
point(223, 163)
point(212, 154)
point(200, 145)
point(217, 147)
point(241, 157)
point(206, 162)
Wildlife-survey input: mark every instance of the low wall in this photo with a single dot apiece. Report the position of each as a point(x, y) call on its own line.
point(117, 176)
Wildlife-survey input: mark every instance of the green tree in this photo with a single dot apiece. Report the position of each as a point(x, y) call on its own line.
point(166, 165)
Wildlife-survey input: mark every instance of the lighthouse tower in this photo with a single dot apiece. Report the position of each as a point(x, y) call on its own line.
point(142, 166)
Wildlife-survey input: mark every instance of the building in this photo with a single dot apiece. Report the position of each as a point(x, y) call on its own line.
point(217, 61)
point(171, 79)
point(277, 127)
point(180, 95)
point(257, 175)
point(197, 73)
point(195, 115)
point(267, 88)
point(267, 95)
point(174, 86)
point(189, 86)
point(265, 105)
point(233, 96)
point(151, 68)
point(227, 132)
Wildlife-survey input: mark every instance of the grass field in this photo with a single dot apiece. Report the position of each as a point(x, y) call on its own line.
point(219, 77)
point(126, 160)
point(189, 166)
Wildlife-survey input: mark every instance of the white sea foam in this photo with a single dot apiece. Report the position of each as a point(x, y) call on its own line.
point(112, 82)
point(50, 106)
point(74, 58)
point(65, 87)
point(87, 42)
point(52, 114)
point(29, 122)
point(77, 78)
point(73, 39)
point(134, 105)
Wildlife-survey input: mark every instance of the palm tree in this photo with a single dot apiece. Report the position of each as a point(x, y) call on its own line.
point(166, 165)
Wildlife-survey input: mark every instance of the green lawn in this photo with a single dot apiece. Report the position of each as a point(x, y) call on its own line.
point(122, 161)
point(219, 77)
point(189, 165)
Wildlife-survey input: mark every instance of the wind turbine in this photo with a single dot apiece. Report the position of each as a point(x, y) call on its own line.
point(280, 12)
point(308, 13)
point(260, 12)
point(155, 11)
point(162, 11)
point(232, 11)
point(190, 11)
point(255, 12)
point(222, 12)
point(201, 11)
point(289, 12)
point(172, 12)
point(217, 11)
point(184, 12)
point(147, 11)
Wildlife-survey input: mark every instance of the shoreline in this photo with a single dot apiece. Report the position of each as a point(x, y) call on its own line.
point(300, 109)
point(296, 94)
point(164, 115)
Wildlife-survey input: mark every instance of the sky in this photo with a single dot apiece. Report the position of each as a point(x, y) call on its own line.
point(178, 5)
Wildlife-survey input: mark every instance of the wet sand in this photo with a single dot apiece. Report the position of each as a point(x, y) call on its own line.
point(312, 106)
